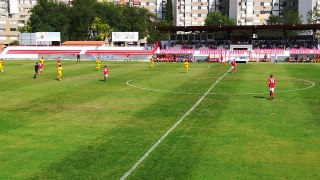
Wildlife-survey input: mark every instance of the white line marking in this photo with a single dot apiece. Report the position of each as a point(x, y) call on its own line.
point(312, 84)
point(171, 129)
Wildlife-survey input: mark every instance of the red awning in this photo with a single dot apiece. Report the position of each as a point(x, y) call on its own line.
point(136, 3)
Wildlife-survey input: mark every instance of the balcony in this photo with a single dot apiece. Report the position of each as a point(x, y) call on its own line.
point(250, 15)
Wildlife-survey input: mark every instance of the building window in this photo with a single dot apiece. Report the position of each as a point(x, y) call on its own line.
point(276, 4)
point(199, 7)
point(199, 15)
point(147, 3)
point(262, 4)
point(265, 12)
point(13, 29)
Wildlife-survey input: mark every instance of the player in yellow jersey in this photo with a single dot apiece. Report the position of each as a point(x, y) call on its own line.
point(1, 65)
point(98, 62)
point(41, 60)
point(60, 72)
point(152, 62)
point(186, 65)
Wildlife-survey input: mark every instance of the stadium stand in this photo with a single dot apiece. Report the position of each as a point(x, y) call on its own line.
point(214, 44)
point(83, 48)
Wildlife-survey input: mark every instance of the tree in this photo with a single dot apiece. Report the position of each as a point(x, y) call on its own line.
point(169, 14)
point(135, 19)
point(14, 43)
point(109, 13)
point(125, 18)
point(313, 16)
point(76, 22)
point(273, 20)
point(217, 19)
point(156, 35)
point(81, 17)
point(50, 16)
point(26, 28)
point(101, 30)
point(292, 17)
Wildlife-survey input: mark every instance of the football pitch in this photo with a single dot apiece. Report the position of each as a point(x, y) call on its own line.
point(159, 123)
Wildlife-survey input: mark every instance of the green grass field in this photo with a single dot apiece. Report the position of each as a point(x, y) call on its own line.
point(85, 128)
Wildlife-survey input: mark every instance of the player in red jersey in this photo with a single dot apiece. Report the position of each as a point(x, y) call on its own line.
point(105, 72)
point(272, 83)
point(59, 61)
point(40, 68)
point(233, 66)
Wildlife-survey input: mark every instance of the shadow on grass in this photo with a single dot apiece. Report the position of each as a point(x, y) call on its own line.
point(262, 97)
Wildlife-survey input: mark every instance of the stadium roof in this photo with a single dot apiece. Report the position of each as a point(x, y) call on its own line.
point(313, 27)
point(83, 43)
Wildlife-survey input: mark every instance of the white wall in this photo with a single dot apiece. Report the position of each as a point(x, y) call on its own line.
point(175, 12)
point(304, 7)
point(233, 10)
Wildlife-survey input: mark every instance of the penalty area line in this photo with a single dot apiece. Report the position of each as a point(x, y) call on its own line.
point(171, 129)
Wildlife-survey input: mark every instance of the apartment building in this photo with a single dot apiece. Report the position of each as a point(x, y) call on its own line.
point(256, 12)
point(219, 5)
point(190, 12)
point(13, 14)
point(244, 12)
point(305, 6)
point(157, 7)
point(69, 2)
